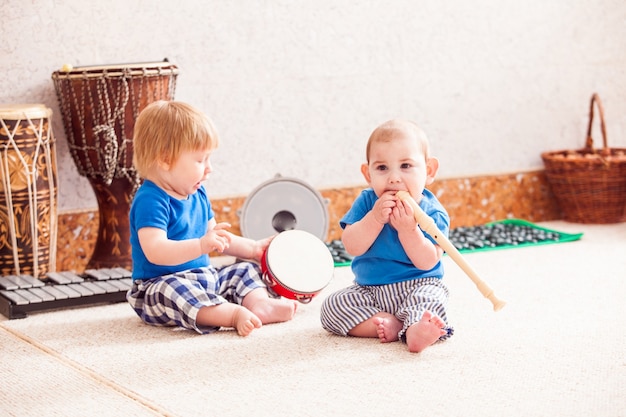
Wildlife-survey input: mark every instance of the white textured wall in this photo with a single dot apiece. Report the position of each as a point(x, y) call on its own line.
point(296, 87)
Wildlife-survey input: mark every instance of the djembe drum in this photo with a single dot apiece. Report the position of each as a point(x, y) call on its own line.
point(99, 105)
point(28, 191)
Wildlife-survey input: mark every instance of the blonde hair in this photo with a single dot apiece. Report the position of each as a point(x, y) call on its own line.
point(164, 129)
point(397, 128)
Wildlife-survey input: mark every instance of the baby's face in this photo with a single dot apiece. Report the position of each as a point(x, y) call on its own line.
point(185, 176)
point(397, 165)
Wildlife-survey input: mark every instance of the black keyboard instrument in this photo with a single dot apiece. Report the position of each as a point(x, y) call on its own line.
point(23, 294)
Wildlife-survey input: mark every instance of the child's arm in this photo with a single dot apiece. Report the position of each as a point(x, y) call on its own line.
point(421, 251)
point(245, 248)
point(162, 251)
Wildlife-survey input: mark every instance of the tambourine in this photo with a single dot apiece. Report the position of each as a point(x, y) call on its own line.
point(297, 265)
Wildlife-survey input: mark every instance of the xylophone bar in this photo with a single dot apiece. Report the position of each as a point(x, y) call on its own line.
point(23, 294)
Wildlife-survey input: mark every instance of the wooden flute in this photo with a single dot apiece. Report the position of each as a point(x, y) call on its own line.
point(428, 225)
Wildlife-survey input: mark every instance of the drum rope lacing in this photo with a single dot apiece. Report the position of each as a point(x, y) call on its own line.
point(110, 149)
point(108, 106)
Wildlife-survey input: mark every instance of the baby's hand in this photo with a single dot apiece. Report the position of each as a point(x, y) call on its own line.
point(259, 246)
point(217, 239)
point(383, 207)
point(402, 217)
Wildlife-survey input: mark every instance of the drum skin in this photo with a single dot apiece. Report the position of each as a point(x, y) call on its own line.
point(28, 191)
point(281, 204)
point(297, 265)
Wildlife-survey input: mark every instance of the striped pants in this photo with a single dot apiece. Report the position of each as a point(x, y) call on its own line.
point(407, 301)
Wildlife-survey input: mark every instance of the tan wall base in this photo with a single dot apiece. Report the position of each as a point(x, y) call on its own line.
point(469, 201)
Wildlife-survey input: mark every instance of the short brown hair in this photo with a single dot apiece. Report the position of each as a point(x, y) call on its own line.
point(164, 129)
point(391, 129)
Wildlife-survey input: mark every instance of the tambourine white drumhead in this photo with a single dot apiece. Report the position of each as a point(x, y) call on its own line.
point(300, 261)
point(283, 204)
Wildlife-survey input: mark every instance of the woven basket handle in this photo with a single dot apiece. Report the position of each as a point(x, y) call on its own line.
point(595, 99)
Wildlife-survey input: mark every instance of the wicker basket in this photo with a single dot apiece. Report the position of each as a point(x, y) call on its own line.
point(589, 184)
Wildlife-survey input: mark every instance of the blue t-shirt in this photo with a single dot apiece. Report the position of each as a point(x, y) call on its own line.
point(386, 262)
point(181, 219)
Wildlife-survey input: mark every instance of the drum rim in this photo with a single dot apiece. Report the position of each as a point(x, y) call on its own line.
point(279, 178)
point(293, 290)
point(323, 249)
point(288, 288)
point(139, 68)
point(22, 111)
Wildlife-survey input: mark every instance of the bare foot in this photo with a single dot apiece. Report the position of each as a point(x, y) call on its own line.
point(274, 310)
point(425, 332)
point(387, 328)
point(245, 321)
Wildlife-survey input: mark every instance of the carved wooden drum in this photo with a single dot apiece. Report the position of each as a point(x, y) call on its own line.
point(99, 105)
point(28, 191)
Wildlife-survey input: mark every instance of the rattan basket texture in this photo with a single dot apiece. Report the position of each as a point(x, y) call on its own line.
point(589, 184)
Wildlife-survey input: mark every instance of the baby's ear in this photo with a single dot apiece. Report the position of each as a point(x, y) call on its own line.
point(365, 170)
point(164, 163)
point(432, 166)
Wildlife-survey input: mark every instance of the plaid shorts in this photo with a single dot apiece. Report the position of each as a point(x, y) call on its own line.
point(407, 300)
point(175, 299)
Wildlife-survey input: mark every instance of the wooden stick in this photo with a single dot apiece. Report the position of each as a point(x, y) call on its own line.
point(428, 225)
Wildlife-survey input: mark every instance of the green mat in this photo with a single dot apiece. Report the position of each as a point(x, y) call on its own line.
point(530, 235)
point(501, 234)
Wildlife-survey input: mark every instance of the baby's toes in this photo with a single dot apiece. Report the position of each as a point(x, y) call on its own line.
point(435, 321)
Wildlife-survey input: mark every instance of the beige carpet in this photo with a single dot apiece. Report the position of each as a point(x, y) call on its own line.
point(557, 349)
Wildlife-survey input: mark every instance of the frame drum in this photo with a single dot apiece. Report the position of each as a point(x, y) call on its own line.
point(28, 191)
point(297, 265)
point(99, 105)
point(284, 204)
